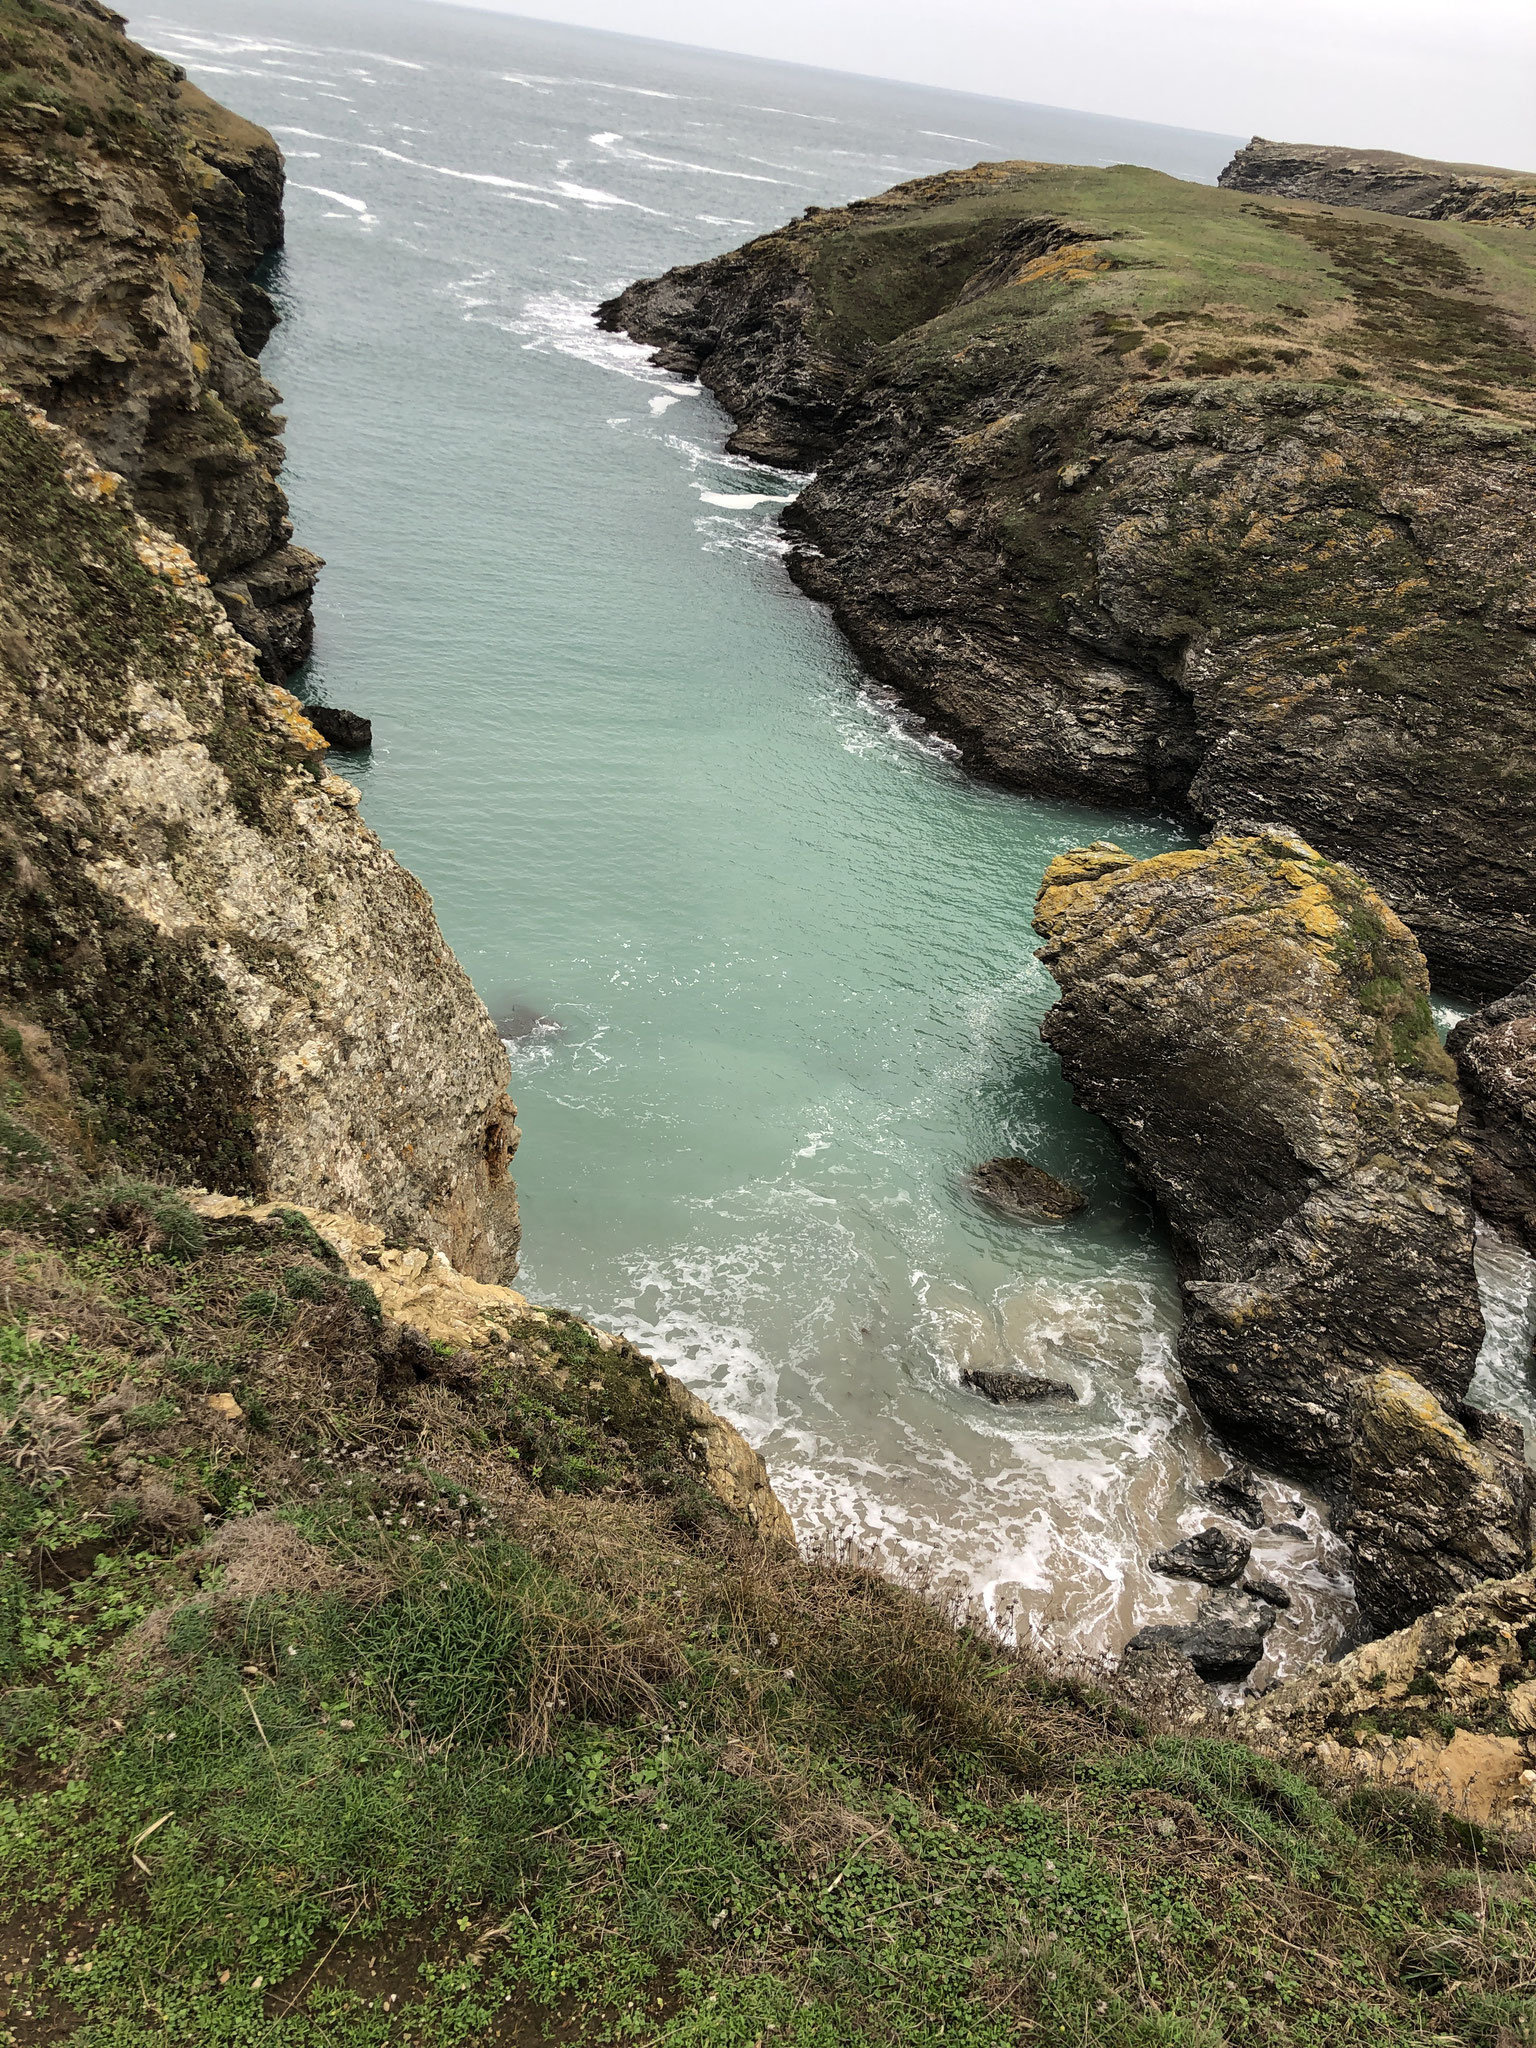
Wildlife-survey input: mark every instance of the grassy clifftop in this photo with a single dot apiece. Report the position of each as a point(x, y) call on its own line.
point(356, 1692)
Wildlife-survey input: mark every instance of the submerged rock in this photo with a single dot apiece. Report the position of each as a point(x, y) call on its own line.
point(1213, 1556)
point(1015, 1386)
point(1270, 1591)
point(1022, 1190)
point(1495, 1053)
point(344, 729)
point(1253, 1022)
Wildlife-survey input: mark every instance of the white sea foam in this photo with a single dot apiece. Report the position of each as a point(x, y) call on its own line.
point(719, 535)
point(943, 135)
point(716, 220)
point(559, 321)
point(665, 400)
point(741, 501)
point(359, 207)
point(611, 143)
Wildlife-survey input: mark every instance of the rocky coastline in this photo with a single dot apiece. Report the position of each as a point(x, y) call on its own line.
point(386, 1657)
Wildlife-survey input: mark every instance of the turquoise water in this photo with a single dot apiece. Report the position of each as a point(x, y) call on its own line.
point(764, 955)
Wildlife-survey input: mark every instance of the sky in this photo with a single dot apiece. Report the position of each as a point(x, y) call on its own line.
point(1446, 78)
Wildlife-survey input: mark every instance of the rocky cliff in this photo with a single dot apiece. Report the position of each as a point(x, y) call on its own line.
point(1385, 181)
point(249, 990)
point(1495, 1052)
point(133, 211)
point(1253, 1022)
point(1148, 493)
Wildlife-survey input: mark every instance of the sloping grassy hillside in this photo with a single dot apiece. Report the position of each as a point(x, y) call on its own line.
point(356, 1693)
point(1181, 279)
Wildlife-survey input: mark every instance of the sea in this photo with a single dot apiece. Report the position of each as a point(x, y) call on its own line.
point(760, 950)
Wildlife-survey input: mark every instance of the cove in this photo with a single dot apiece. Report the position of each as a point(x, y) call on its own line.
point(763, 953)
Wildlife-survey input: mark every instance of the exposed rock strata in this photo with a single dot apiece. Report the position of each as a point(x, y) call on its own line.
point(422, 1290)
point(248, 988)
point(1445, 1708)
point(1253, 1022)
point(1385, 181)
point(1148, 493)
point(133, 210)
point(1495, 1052)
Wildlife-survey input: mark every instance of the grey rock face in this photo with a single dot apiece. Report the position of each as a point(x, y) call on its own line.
point(1254, 1024)
point(1221, 562)
point(128, 313)
point(250, 991)
point(1495, 1054)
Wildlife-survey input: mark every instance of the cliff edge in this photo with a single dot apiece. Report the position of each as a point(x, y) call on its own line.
point(1384, 181)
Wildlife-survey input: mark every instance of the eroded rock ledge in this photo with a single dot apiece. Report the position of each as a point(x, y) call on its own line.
point(421, 1288)
point(1149, 493)
point(1253, 1022)
point(133, 210)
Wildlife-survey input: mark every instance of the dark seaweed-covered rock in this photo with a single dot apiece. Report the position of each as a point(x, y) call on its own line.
point(1495, 1053)
point(1213, 1556)
point(1236, 1493)
point(1228, 1639)
point(1270, 1591)
point(1022, 1190)
point(1015, 1386)
point(1254, 1023)
point(344, 729)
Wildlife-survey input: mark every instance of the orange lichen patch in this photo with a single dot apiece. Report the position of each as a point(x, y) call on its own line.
point(288, 713)
point(166, 558)
point(1062, 266)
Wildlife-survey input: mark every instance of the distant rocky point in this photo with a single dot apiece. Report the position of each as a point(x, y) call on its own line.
point(1384, 181)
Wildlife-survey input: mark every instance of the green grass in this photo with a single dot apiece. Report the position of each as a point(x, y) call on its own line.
point(454, 1711)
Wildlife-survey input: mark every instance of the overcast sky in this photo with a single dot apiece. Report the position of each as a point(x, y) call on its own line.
point(1453, 78)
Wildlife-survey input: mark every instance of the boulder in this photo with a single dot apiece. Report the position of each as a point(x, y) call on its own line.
point(1015, 1386)
point(1223, 1643)
point(1021, 1190)
point(1253, 1022)
point(1495, 1053)
point(1213, 1557)
point(338, 728)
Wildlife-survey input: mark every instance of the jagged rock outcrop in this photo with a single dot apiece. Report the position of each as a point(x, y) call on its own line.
point(1495, 1053)
point(1253, 1022)
point(249, 990)
point(1149, 493)
point(1445, 1709)
point(1385, 181)
point(132, 212)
